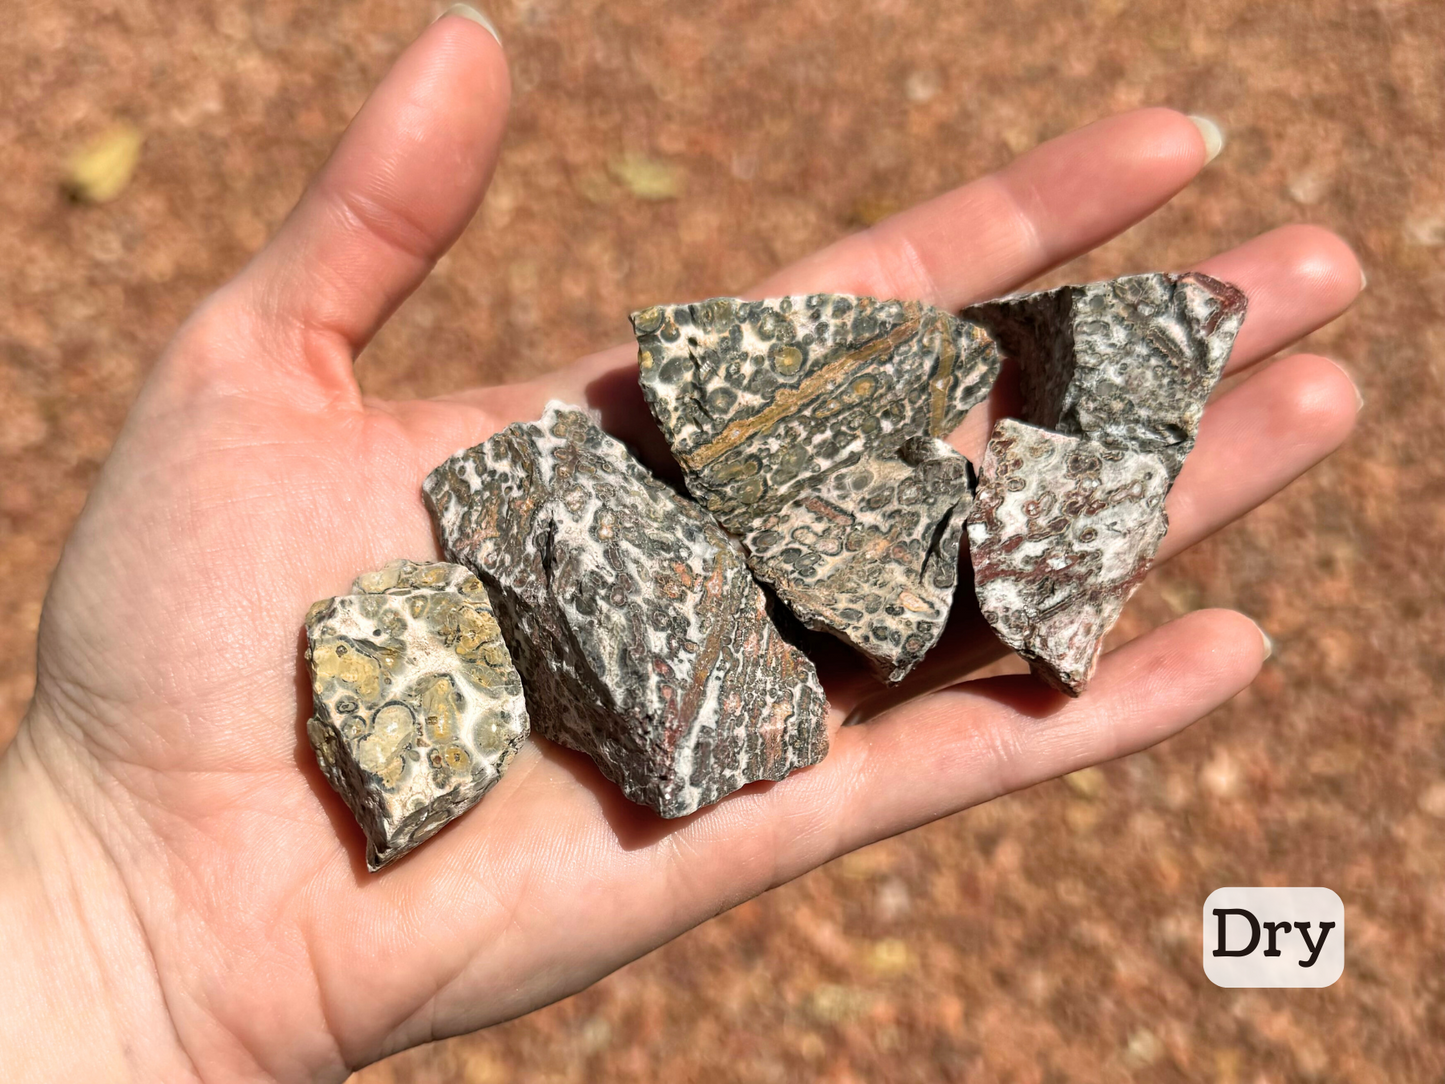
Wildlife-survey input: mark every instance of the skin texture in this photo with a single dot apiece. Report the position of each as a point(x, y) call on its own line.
point(185, 898)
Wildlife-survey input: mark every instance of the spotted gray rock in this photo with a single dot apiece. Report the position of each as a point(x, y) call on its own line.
point(418, 709)
point(643, 640)
point(1127, 366)
point(1062, 532)
point(1129, 362)
point(811, 427)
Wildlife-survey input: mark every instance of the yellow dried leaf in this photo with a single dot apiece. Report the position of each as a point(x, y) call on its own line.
point(833, 1004)
point(890, 957)
point(870, 210)
point(647, 178)
point(1086, 782)
point(1144, 1049)
point(100, 172)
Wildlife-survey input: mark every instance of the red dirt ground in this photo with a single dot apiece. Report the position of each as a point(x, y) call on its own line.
point(1049, 936)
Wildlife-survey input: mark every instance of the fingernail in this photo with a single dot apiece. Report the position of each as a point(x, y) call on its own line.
point(1363, 280)
point(1268, 643)
point(1213, 137)
point(1350, 376)
point(466, 11)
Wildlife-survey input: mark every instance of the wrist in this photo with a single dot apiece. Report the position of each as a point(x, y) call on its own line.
point(79, 996)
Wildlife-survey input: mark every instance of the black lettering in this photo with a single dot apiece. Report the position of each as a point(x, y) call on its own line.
point(1272, 927)
point(1222, 913)
point(1315, 948)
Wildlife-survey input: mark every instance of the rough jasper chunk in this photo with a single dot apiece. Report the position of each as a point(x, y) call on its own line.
point(642, 637)
point(418, 708)
point(872, 555)
point(1062, 532)
point(810, 427)
point(1129, 363)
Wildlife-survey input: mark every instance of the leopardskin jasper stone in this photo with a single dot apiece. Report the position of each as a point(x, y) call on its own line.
point(1128, 365)
point(1062, 532)
point(643, 640)
point(811, 427)
point(1129, 362)
point(417, 707)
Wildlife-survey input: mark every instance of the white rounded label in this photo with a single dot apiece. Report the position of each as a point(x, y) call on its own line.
point(1273, 937)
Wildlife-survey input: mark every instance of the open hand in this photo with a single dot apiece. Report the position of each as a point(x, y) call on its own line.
point(179, 880)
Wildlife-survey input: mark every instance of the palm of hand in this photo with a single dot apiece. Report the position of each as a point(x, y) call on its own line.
point(253, 478)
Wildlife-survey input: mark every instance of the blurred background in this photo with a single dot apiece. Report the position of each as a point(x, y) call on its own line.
point(666, 151)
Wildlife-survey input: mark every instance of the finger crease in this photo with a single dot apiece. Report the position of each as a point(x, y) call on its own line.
point(1028, 242)
point(900, 270)
point(387, 224)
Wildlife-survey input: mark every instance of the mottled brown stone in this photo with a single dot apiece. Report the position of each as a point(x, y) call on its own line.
point(1062, 532)
point(417, 707)
point(643, 639)
point(811, 427)
point(1126, 367)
